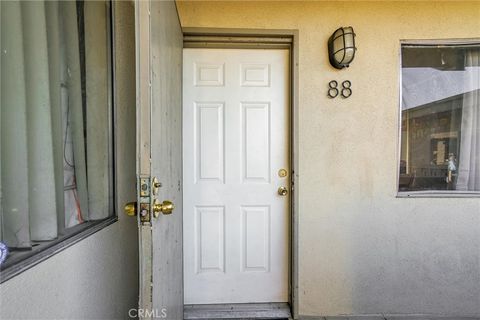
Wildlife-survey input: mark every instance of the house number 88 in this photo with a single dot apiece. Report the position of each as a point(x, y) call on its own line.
point(345, 91)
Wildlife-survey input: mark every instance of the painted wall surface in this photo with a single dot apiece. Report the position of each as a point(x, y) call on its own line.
point(96, 278)
point(362, 250)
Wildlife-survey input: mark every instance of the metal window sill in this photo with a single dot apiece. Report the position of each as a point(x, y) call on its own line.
point(22, 261)
point(438, 194)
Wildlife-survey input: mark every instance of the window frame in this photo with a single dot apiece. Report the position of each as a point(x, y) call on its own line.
point(44, 250)
point(425, 193)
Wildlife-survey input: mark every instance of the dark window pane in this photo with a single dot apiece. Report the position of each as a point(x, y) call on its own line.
point(440, 140)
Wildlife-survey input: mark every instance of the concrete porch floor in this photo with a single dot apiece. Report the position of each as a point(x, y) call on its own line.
point(391, 317)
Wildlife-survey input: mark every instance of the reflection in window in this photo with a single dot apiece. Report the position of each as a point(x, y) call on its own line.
point(55, 115)
point(440, 136)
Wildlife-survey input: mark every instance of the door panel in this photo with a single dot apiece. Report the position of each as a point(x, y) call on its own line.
point(159, 50)
point(235, 140)
point(166, 57)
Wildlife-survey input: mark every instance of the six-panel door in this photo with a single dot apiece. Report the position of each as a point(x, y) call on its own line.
point(235, 142)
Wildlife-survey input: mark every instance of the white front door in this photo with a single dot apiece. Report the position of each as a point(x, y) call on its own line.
point(235, 158)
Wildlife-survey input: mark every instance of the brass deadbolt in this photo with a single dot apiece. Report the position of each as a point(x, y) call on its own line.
point(156, 185)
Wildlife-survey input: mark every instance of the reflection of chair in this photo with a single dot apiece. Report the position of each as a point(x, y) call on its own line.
point(406, 181)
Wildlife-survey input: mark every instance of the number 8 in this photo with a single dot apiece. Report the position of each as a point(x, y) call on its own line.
point(332, 89)
point(346, 89)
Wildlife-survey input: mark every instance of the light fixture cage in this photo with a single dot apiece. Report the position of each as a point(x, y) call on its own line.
point(341, 47)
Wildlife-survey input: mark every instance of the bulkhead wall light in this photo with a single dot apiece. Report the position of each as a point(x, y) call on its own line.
point(341, 47)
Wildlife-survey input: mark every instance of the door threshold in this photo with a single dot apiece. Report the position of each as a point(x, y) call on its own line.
point(237, 311)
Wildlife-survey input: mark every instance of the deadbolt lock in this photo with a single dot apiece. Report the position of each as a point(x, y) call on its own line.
point(166, 207)
point(156, 185)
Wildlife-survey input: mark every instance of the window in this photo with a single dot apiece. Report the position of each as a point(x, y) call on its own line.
point(440, 129)
point(55, 124)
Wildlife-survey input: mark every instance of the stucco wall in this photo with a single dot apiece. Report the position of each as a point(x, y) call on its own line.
point(96, 278)
point(362, 250)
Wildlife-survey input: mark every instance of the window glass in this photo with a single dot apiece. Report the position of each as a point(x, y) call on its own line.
point(440, 129)
point(55, 151)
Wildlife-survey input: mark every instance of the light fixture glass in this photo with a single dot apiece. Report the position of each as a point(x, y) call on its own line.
point(341, 47)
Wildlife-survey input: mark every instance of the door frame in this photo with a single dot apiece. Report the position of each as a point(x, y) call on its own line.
point(224, 38)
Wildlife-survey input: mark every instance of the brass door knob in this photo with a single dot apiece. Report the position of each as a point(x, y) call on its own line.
point(283, 191)
point(131, 209)
point(166, 207)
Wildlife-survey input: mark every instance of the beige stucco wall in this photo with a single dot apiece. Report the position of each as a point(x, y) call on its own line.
point(362, 250)
point(97, 278)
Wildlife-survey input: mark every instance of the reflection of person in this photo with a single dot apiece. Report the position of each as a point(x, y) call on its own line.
point(452, 168)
